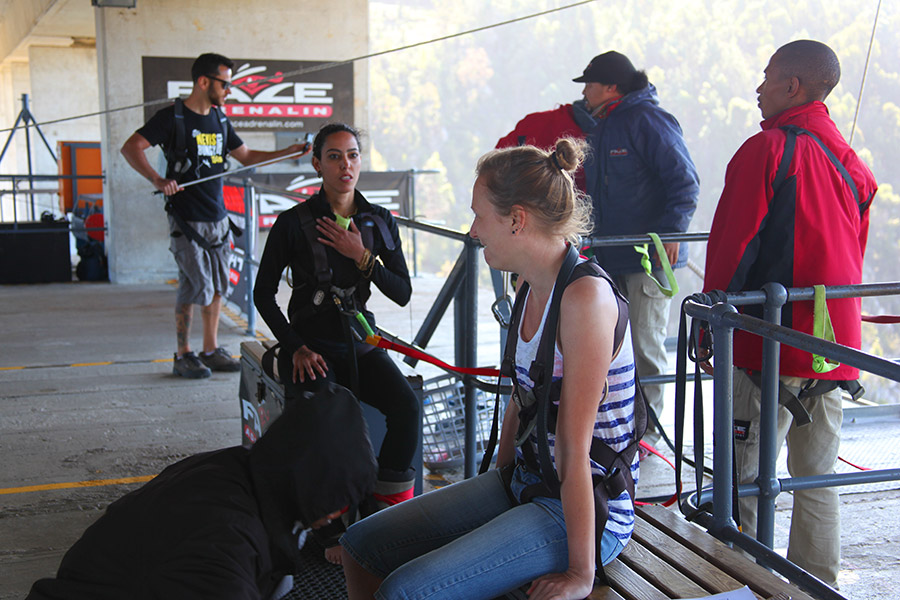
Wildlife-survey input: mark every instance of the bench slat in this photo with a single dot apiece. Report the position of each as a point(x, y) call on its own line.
point(712, 550)
point(629, 584)
point(604, 592)
point(659, 573)
point(684, 560)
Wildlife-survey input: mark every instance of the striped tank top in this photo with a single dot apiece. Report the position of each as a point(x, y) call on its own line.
point(613, 425)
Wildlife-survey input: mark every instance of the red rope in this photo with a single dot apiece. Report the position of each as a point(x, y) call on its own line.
point(380, 342)
point(890, 319)
point(674, 497)
point(844, 460)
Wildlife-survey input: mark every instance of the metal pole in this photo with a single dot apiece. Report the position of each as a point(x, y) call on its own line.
point(723, 417)
point(27, 114)
point(10, 136)
point(411, 184)
point(769, 487)
point(470, 314)
point(250, 252)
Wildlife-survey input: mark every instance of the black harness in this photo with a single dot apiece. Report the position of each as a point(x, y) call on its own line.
point(367, 222)
point(346, 300)
point(178, 167)
point(539, 415)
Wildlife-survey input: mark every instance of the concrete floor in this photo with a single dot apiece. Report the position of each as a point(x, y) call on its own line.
point(65, 419)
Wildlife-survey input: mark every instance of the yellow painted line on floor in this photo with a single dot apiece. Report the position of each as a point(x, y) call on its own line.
point(162, 360)
point(92, 364)
point(11, 368)
point(75, 484)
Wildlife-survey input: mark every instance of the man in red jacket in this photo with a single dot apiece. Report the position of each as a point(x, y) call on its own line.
point(805, 226)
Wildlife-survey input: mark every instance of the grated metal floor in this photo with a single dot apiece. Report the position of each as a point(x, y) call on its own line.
point(318, 579)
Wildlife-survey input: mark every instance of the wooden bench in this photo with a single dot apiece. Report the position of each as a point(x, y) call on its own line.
point(668, 557)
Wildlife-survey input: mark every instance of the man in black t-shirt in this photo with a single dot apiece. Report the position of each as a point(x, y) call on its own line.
point(198, 223)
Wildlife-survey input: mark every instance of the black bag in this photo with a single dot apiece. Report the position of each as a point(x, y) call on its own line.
point(92, 266)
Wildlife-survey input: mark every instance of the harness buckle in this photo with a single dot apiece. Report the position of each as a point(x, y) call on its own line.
point(502, 309)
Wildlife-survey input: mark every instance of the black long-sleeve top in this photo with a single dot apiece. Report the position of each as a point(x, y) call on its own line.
point(287, 245)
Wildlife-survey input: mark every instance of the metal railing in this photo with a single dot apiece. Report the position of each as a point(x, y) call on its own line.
point(724, 319)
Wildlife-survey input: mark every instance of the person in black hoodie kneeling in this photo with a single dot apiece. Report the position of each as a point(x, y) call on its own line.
point(225, 524)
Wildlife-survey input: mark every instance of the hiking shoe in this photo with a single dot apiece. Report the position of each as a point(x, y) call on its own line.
point(220, 360)
point(190, 366)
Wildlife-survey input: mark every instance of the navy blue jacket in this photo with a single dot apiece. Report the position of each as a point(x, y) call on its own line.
point(640, 177)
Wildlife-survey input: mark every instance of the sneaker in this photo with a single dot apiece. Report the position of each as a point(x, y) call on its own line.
point(190, 366)
point(220, 360)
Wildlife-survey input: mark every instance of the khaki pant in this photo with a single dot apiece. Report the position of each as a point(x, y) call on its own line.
point(815, 538)
point(648, 312)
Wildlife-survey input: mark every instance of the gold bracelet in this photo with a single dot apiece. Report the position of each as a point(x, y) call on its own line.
point(361, 263)
point(367, 273)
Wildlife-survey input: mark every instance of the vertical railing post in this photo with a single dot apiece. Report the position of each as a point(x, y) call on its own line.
point(723, 417)
point(411, 189)
point(470, 358)
point(776, 297)
point(28, 153)
point(250, 225)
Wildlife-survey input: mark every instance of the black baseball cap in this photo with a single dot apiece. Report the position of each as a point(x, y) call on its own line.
point(610, 67)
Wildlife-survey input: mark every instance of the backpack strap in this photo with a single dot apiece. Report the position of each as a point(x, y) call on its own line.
point(321, 268)
point(792, 131)
point(177, 162)
point(541, 370)
point(508, 365)
point(368, 222)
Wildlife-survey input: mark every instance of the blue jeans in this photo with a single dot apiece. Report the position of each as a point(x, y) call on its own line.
point(467, 540)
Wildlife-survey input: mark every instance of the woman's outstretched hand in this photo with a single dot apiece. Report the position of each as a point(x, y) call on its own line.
point(307, 364)
point(348, 242)
point(562, 586)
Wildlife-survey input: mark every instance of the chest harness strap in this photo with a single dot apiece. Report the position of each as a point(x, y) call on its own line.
point(178, 167)
point(537, 413)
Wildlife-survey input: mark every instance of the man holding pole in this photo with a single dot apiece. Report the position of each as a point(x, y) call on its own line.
point(196, 137)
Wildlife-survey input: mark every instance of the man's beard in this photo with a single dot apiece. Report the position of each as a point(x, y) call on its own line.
point(214, 100)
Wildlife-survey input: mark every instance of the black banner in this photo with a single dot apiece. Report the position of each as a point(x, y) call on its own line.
point(388, 189)
point(296, 103)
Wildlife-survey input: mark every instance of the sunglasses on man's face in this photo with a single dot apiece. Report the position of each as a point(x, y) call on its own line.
point(225, 84)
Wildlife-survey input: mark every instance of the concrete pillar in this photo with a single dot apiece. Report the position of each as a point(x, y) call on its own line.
point(275, 29)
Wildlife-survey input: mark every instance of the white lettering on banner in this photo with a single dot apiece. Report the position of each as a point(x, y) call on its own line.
point(174, 89)
point(312, 93)
point(271, 203)
point(277, 110)
point(270, 94)
point(303, 93)
point(385, 198)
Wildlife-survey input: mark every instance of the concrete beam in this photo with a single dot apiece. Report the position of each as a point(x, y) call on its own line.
point(20, 17)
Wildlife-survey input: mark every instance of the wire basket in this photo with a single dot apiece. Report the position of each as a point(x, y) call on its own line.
point(444, 423)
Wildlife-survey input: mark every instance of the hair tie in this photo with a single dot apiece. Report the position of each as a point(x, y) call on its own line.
point(555, 161)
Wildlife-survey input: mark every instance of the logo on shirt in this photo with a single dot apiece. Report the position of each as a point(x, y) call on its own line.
point(618, 152)
point(209, 147)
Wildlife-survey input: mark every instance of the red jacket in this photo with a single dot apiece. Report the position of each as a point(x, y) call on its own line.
point(542, 129)
point(815, 234)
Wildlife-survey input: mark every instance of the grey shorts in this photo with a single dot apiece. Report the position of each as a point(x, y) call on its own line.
point(201, 273)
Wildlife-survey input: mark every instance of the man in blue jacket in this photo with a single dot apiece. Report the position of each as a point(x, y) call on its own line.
point(641, 179)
